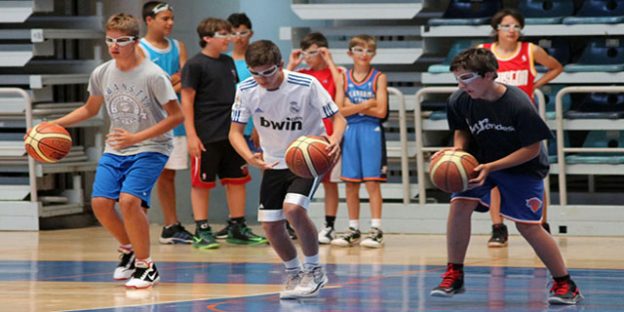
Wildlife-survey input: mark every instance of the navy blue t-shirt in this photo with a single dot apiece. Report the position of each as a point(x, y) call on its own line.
point(500, 128)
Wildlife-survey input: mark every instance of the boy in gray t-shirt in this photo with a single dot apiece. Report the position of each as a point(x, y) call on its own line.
point(143, 108)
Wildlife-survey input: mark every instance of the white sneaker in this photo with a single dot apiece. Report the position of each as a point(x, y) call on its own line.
point(145, 276)
point(292, 280)
point(125, 268)
point(374, 239)
point(350, 238)
point(326, 235)
point(310, 284)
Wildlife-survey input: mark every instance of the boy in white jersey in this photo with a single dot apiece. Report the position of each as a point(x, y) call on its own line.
point(143, 108)
point(284, 105)
point(170, 55)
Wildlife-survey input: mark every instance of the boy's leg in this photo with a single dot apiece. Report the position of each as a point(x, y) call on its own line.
point(353, 234)
point(203, 174)
point(500, 234)
point(136, 224)
point(104, 210)
point(374, 238)
point(327, 234)
point(173, 232)
point(458, 230)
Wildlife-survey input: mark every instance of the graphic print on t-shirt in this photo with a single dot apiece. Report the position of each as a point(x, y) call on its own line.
point(126, 105)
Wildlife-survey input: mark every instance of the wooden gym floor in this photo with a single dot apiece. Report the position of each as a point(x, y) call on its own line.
point(72, 270)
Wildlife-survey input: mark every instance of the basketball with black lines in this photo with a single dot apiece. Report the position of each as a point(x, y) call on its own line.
point(47, 142)
point(307, 156)
point(452, 170)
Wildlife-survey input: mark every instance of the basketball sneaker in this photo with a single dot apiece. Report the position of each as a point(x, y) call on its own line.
point(293, 277)
point(175, 234)
point(291, 232)
point(145, 276)
point(452, 283)
point(374, 238)
point(326, 235)
point(564, 292)
point(348, 239)
point(204, 239)
point(240, 233)
point(223, 233)
point(125, 268)
point(499, 236)
point(310, 285)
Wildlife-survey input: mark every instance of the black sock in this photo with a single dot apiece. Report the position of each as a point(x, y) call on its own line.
point(329, 221)
point(239, 220)
point(564, 278)
point(456, 266)
point(202, 224)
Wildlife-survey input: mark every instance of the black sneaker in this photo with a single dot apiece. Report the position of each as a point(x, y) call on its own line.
point(499, 236)
point(291, 231)
point(452, 283)
point(175, 234)
point(145, 276)
point(223, 233)
point(242, 234)
point(125, 268)
point(350, 238)
point(564, 292)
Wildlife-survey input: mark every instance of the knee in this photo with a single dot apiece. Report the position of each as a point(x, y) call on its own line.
point(527, 228)
point(292, 211)
point(462, 207)
point(101, 204)
point(128, 203)
point(272, 227)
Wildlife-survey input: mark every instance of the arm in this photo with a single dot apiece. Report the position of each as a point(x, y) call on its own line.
point(294, 60)
point(554, 67)
point(339, 125)
point(120, 138)
point(380, 110)
point(240, 145)
point(195, 146)
point(336, 75)
point(84, 112)
point(176, 79)
point(461, 139)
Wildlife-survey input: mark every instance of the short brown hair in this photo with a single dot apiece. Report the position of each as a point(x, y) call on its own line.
point(478, 60)
point(363, 40)
point(263, 52)
point(209, 26)
point(314, 38)
point(124, 23)
point(498, 17)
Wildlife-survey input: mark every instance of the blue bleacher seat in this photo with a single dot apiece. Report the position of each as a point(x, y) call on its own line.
point(598, 138)
point(545, 11)
point(550, 96)
point(458, 46)
point(558, 48)
point(598, 12)
point(599, 106)
point(467, 12)
point(600, 55)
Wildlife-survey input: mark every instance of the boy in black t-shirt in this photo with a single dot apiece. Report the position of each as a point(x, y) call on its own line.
point(502, 128)
point(208, 89)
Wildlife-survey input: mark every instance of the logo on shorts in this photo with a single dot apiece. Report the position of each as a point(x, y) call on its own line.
point(534, 203)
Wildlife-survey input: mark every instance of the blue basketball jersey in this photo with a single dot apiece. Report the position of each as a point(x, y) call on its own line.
point(358, 92)
point(168, 60)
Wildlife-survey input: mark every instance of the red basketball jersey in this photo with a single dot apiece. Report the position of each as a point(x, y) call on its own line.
point(517, 70)
point(325, 78)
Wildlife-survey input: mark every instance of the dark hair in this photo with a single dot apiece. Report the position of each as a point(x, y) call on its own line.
point(148, 8)
point(209, 26)
point(263, 52)
point(498, 17)
point(314, 38)
point(237, 19)
point(478, 60)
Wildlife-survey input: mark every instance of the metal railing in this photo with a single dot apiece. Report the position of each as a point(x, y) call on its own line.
point(403, 137)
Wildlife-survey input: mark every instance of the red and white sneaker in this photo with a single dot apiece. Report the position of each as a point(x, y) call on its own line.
point(564, 292)
point(452, 283)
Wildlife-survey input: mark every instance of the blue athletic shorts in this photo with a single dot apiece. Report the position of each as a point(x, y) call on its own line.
point(522, 196)
point(134, 175)
point(363, 153)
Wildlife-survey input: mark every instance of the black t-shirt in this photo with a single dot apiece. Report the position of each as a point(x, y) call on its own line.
point(214, 81)
point(500, 128)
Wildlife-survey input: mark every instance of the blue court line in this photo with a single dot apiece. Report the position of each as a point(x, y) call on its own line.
point(361, 287)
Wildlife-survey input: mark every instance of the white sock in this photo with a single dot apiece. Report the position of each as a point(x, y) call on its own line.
point(311, 262)
point(354, 224)
point(293, 264)
point(127, 248)
point(376, 223)
point(143, 262)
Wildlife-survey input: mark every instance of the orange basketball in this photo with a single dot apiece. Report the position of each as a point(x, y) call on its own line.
point(48, 142)
point(451, 171)
point(307, 157)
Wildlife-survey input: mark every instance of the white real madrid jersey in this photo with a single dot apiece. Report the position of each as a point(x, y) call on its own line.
point(280, 116)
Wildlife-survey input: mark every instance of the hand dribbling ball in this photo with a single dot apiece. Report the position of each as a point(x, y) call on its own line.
point(307, 157)
point(47, 142)
point(452, 170)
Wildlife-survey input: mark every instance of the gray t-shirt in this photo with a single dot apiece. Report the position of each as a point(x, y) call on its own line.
point(134, 101)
